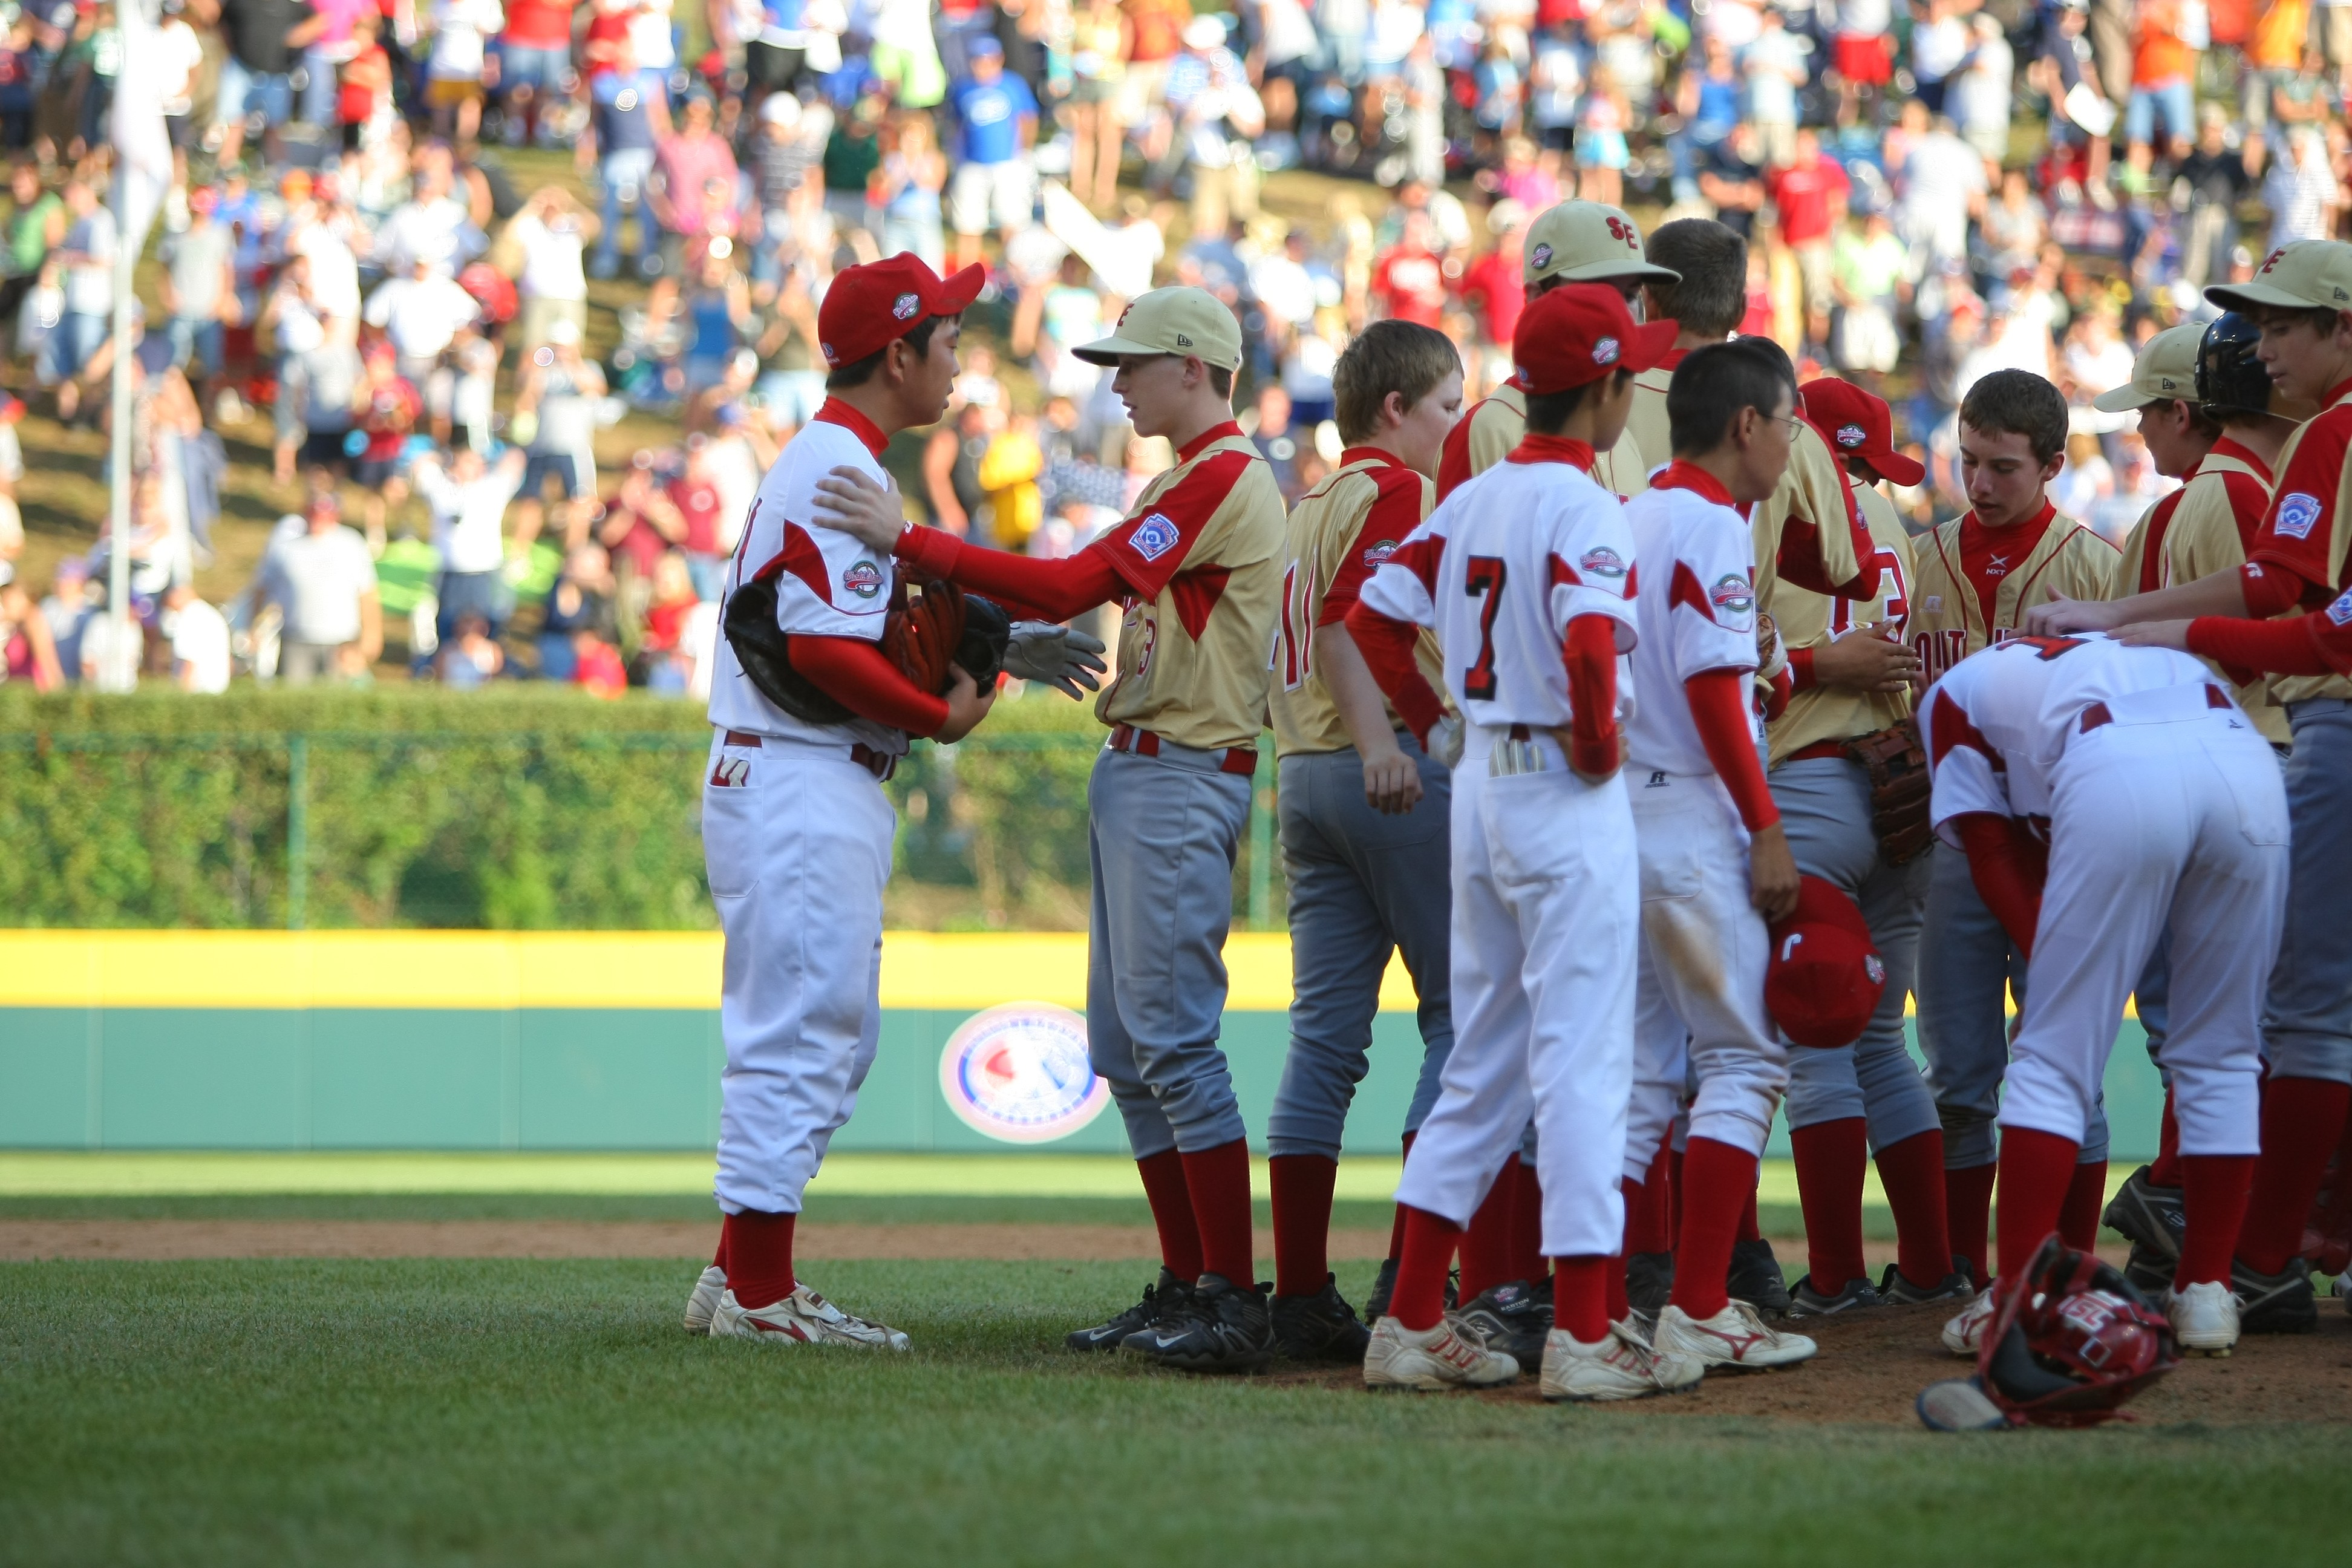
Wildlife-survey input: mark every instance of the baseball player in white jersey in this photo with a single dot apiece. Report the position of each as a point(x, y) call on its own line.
point(797, 828)
point(1714, 864)
point(2155, 802)
point(1525, 576)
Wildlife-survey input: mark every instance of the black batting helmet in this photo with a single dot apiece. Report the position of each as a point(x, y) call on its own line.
point(2230, 379)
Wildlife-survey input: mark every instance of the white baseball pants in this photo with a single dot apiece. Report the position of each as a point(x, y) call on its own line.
point(2174, 810)
point(797, 841)
point(1699, 1007)
point(1544, 921)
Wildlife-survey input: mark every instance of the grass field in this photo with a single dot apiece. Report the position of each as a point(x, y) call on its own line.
point(525, 1411)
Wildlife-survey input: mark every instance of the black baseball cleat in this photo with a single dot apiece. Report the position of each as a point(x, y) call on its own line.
point(1895, 1289)
point(1649, 1282)
point(1514, 1318)
point(1321, 1327)
point(2153, 1217)
point(2150, 1271)
point(1804, 1302)
point(2280, 1303)
point(1159, 1300)
point(1756, 1278)
point(1223, 1327)
point(1383, 1287)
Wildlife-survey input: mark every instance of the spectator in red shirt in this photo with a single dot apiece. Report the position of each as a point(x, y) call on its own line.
point(695, 496)
point(534, 59)
point(1491, 286)
point(641, 523)
point(1810, 192)
point(386, 408)
point(1409, 281)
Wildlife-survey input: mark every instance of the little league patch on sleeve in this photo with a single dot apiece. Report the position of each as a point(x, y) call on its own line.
point(1602, 562)
point(1733, 594)
point(1154, 537)
point(2297, 513)
point(2340, 612)
point(863, 579)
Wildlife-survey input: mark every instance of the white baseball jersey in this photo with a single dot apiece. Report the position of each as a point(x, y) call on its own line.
point(1498, 571)
point(1997, 725)
point(828, 584)
point(1698, 613)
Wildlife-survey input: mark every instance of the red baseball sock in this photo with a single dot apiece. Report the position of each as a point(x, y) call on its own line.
point(2215, 1190)
point(1172, 1213)
point(1674, 1194)
point(719, 1258)
point(1487, 1243)
point(1747, 1227)
point(1396, 1226)
point(1642, 1231)
point(1302, 1221)
point(1419, 1300)
point(2036, 1170)
point(1912, 1172)
point(1219, 1181)
point(1579, 1296)
point(1721, 1182)
point(759, 1248)
point(2302, 1118)
point(1830, 1159)
point(1526, 1261)
point(2087, 1195)
point(1620, 1304)
point(1967, 1217)
point(2165, 1170)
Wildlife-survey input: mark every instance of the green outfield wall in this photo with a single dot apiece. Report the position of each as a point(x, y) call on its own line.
point(589, 1040)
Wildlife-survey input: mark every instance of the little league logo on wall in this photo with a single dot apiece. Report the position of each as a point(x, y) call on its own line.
point(1019, 1073)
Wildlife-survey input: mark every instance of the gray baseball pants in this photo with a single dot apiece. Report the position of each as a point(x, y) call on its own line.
point(2308, 1017)
point(1362, 883)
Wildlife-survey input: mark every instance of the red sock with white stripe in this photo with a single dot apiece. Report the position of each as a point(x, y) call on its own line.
point(1579, 1296)
point(1172, 1213)
point(1911, 1173)
point(1720, 1180)
point(1526, 1260)
point(1419, 1300)
point(2087, 1195)
point(2302, 1119)
point(1832, 1157)
point(1219, 1181)
point(2214, 1190)
point(2036, 1171)
point(1968, 1217)
point(759, 1251)
point(1487, 1243)
point(1302, 1185)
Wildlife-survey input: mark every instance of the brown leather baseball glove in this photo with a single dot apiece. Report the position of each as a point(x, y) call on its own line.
point(1898, 765)
point(921, 638)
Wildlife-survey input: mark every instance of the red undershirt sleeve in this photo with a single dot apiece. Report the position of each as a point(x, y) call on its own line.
point(854, 673)
point(1719, 705)
point(1591, 654)
point(1028, 588)
point(1777, 702)
point(2298, 645)
point(1387, 644)
point(1800, 669)
point(2272, 589)
point(2008, 866)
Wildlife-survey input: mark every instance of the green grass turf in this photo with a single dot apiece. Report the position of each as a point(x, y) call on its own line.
point(530, 1412)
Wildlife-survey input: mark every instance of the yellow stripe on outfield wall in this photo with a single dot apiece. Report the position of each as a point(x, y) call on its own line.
point(553, 969)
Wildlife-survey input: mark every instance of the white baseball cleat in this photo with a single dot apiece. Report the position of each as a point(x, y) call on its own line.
point(1618, 1367)
point(1432, 1359)
point(1734, 1338)
point(802, 1318)
point(2204, 1317)
point(703, 1301)
point(1965, 1332)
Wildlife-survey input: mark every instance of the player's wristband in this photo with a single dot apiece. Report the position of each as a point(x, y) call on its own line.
point(931, 551)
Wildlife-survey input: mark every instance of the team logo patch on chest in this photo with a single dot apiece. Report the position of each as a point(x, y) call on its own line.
point(2297, 513)
point(864, 579)
point(1154, 537)
point(1732, 594)
point(1602, 562)
point(1375, 554)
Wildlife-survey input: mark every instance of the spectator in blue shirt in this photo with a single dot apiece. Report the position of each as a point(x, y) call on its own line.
point(997, 114)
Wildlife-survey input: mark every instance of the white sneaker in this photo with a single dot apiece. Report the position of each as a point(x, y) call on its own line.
point(802, 1318)
point(703, 1301)
point(2204, 1318)
point(1735, 1337)
point(1432, 1359)
point(1618, 1367)
point(1965, 1332)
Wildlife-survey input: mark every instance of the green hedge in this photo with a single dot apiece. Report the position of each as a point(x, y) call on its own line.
point(528, 808)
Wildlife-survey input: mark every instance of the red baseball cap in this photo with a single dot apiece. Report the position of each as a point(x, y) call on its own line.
point(1580, 332)
point(868, 308)
point(1856, 424)
point(1825, 978)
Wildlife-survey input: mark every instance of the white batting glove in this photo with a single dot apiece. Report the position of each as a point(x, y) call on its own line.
point(1446, 740)
point(1064, 658)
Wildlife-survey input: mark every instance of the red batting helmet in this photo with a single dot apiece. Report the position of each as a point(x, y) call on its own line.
point(1825, 978)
